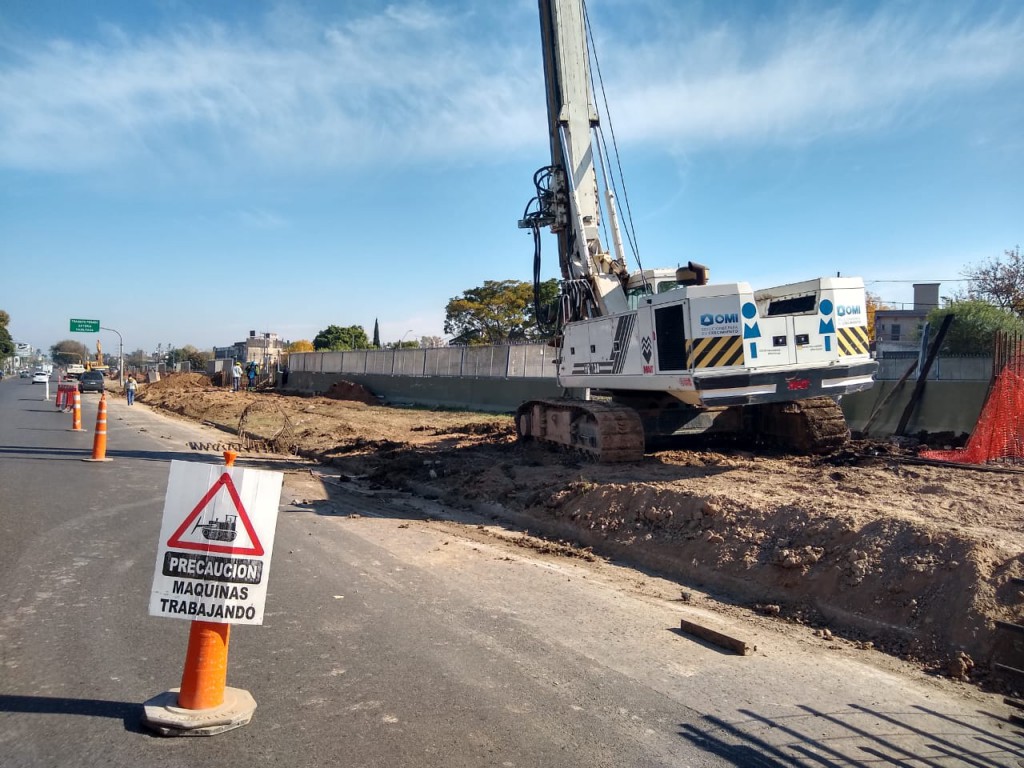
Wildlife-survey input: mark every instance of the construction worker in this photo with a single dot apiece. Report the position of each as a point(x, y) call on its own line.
point(236, 376)
point(251, 373)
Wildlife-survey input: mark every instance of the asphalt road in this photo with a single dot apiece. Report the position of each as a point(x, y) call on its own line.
point(401, 634)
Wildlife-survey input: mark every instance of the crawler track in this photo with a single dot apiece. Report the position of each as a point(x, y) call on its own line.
point(602, 431)
point(610, 432)
point(815, 426)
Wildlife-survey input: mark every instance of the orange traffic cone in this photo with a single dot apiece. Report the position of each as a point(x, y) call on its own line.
point(99, 441)
point(206, 661)
point(76, 414)
point(203, 705)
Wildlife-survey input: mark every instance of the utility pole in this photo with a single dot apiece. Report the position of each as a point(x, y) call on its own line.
point(120, 354)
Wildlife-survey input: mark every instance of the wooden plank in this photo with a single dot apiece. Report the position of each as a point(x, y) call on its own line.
point(945, 465)
point(720, 639)
point(1005, 668)
point(922, 376)
point(885, 400)
point(1010, 627)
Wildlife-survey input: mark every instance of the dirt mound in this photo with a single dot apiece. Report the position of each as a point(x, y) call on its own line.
point(915, 587)
point(916, 559)
point(348, 390)
point(473, 428)
point(180, 382)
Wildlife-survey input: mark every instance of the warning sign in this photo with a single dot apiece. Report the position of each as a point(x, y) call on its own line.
point(201, 532)
point(216, 539)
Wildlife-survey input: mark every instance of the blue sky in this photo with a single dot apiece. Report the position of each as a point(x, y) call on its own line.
point(188, 171)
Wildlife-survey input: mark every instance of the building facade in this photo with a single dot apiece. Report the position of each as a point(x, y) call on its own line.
point(264, 349)
point(899, 330)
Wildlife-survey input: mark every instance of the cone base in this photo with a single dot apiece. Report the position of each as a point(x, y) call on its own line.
point(97, 459)
point(163, 715)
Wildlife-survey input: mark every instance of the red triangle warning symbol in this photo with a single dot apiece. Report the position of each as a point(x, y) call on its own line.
point(217, 530)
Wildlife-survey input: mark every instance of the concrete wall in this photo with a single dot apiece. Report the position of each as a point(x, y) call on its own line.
point(947, 406)
point(223, 367)
point(535, 361)
point(943, 369)
point(482, 394)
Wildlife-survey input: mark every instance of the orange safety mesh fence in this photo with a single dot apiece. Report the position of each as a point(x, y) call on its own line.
point(998, 437)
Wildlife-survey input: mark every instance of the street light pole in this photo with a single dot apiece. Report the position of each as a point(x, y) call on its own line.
point(120, 353)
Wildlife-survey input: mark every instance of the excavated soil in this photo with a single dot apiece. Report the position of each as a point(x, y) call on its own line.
point(868, 544)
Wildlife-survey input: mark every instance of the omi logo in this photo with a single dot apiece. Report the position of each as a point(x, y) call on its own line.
point(721, 319)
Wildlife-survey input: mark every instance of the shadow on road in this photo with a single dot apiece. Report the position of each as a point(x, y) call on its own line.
point(69, 454)
point(204, 458)
point(24, 452)
point(129, 712)
point(856, 736)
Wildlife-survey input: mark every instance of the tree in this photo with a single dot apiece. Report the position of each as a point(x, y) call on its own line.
point(138, 358)
point(197, 359)
point(974, 326)
point(376, 334)
point(497, 312)
point(302, 345)
point(69, 351)
point(872, 304)
point(547, 297)
point(999, 281)
point(334, 337)
point(6, 342)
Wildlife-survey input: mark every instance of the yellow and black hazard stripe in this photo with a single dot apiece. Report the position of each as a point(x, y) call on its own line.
point(715, 352)
point(852, 340)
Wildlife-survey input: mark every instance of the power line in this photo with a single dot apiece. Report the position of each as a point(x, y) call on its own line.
point(933, 280)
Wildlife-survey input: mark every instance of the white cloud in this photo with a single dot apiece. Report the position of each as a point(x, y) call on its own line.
point(419, 82)
point(261, 219)
point(799, 77)
point(406, 83)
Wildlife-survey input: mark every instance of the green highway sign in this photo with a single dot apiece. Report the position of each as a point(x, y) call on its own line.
point(85, 326)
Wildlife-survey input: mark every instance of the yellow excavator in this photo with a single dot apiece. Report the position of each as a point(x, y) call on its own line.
point(97, 364)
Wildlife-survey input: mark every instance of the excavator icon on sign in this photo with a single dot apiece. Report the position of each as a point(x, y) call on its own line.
point(218, 530)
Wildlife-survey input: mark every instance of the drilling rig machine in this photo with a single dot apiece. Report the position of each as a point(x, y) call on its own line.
point(659, 352)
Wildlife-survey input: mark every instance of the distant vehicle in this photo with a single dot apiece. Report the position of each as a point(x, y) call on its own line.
point(74, 370)
point(24, 374)
point(40, 377)
point(90, 381)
